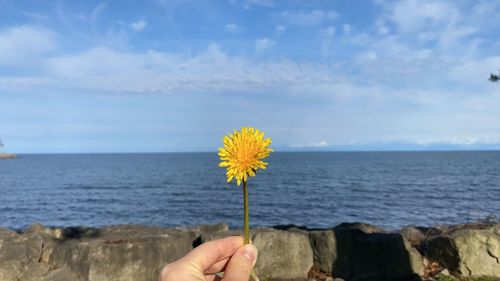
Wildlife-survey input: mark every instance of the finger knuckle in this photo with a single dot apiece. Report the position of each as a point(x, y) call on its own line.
point(167, 272)
point(242, 266)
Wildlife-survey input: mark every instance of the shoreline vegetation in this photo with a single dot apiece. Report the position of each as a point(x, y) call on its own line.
point(4, 155)
point(349, 252)
point(7, 156)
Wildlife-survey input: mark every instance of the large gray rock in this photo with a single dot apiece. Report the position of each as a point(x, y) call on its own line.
point(324, 247)
point(363, 253)
point(10, 270)
point(283, 255)
point(207, 228)
point(23, 256)
point(467, 252)
point(6, 233)
point(38, 228)
point(59, 274)
point(125, 254)
point(413, 235)
point(89, 254)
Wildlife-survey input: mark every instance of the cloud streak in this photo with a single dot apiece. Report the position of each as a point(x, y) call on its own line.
point(263, 44)
point(24, 45)
point(233, 28)
point(138, 25)
point(105, 69)
point(313, 17)
point(321, 144)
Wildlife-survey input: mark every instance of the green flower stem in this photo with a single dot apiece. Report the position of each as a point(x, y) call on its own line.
point(246, 223)
point(246, 216)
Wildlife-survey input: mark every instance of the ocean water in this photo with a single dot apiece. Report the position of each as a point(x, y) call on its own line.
point(389, 189)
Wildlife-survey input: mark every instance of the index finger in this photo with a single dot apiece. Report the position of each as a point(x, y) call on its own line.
point(205, 255)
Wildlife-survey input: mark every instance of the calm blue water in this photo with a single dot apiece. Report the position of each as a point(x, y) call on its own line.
point(389, 189)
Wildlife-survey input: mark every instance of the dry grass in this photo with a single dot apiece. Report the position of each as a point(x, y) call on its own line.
point(450, 278)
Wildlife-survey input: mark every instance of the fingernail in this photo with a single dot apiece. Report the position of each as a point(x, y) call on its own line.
point(250, 252)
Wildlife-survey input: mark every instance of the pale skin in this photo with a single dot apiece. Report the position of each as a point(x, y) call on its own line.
point(203, 262)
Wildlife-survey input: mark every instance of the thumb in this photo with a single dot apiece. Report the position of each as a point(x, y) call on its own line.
point(241, 264)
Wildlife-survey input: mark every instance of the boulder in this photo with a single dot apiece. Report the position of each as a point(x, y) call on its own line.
point(414, 235)
point(6, 233)
point(38, 228)
point(10, 270)
point(207, 228)
point(131, 230)
point(90, 254)
point(324, 246)
point(122, 254)
point(73, 255)
point(22, 257)
point(283, 255)
point(60, 274)
point(35, 271)
point(364, 253)
point(364, 227)
point(467, 252)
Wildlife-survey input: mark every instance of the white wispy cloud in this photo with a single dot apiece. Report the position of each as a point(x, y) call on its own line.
point(233, 28)
point(265, 3)
point(263, 44)
point(368, 55)
point(441, 21)
point(24, 83)
point(383, 30)
point(23, 45)
point(412, 15)
point(112, 70)
point(321, 144)
point(329, 31)
point(109, 70)
point(313, 17)
point(280, 29)
point(461, 140)
point(250, 4)
point(346, 28)
point(98, 9)
point(138, 25)
point(34, 15)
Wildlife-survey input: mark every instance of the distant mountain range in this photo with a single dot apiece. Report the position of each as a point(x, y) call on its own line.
point(394, 147)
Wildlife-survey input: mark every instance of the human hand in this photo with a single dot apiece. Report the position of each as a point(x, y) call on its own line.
point(201, 264)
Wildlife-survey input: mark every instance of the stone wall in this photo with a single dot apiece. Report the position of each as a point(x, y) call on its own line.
point(348, 252)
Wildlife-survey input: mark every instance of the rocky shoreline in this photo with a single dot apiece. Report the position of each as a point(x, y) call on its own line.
point(351, 252)
point(7, 156)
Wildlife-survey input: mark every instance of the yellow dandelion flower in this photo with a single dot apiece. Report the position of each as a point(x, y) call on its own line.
point(243, 152)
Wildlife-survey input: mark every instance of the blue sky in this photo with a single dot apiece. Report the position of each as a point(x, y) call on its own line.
point(146, 76)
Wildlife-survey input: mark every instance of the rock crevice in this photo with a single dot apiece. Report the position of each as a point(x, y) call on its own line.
point(493, 256)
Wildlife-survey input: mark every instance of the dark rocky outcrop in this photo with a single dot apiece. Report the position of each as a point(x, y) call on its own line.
point(469, 252)
point(324, 244)
point(347, 252)
point(367, 253)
